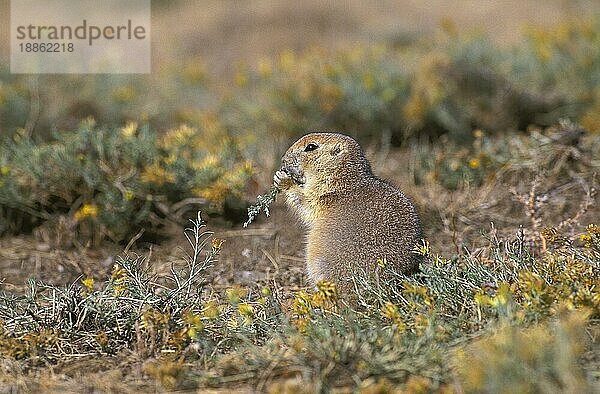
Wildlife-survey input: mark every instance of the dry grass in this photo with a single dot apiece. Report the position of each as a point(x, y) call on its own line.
point(512, 266)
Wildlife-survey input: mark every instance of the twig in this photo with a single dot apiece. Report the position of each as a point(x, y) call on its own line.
point(132, 240)
point(262, 204)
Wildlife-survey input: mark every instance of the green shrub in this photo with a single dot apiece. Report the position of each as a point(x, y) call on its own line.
point(542, 358)
point(112, 182)
point(447, 83)
point(450, 84)
point(41, 104)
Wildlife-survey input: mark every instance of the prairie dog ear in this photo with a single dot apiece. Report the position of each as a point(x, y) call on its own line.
point(338, 150)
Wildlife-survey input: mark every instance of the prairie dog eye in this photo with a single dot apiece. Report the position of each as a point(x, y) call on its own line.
point(310, 147)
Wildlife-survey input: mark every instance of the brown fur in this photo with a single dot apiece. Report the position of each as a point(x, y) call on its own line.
point(352, 217)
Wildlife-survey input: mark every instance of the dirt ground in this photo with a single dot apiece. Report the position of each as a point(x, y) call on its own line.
point(269, 251)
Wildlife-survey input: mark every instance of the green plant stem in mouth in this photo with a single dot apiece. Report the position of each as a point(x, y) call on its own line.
point(262, 204)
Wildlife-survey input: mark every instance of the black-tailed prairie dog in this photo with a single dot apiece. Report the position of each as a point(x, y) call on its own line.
point(352, 217)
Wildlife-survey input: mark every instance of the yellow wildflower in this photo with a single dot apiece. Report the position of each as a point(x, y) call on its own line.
point(246, 310)
point(474, 163)
point(325, 294)
point(102, 339)
point(180, 136)
point(482, 299)
point(129, 130)
point(419, 291)
point(503, 295)
point(302, 304)
point(119, 277)
point(235, 294)
point(368, 81)
point(87, 211)
point(211, 310)
point(422, 248)
point(301, 324)
point(264, 68)
point(129, 195)
point(241, 78)
point(328, 289)
point(124, 94)
point(191, 318)
point(586, 239)
point(119, 274)
point(214, 193)
point(265, 291)
point(194, 323)
point(194, 72)
point(232, 323)
point(154, 318)
point(4, 170)
point(287, 60)
point(88, 283)
point(391, 312)
point(157, 175)
point(217, 243)
point(208, 162)
point(119, 290)
point(421, 324)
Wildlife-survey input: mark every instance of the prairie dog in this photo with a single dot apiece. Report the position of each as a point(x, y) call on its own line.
point(352, 217)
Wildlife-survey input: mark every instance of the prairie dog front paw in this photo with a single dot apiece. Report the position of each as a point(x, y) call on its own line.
point(282, 180)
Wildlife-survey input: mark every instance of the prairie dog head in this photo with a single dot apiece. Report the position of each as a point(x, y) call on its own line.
point(321, 163)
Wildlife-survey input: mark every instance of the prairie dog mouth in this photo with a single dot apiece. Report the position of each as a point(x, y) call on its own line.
point(295, 174)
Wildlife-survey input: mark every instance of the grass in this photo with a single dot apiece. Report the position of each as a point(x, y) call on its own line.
point(414, 333)
point(507, 298)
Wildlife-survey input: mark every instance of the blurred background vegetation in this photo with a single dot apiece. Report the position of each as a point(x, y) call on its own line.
point(486, 113)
